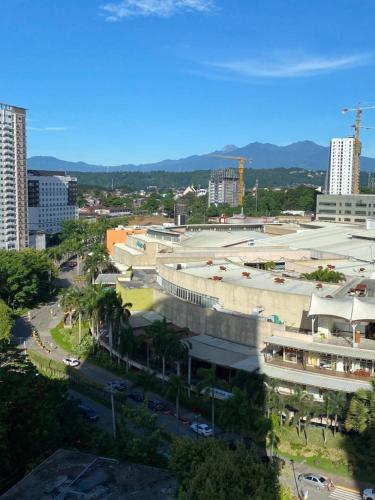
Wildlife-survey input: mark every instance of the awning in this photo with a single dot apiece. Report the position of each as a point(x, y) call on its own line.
point(363, 310)
point(350, 308)
point(323, 306)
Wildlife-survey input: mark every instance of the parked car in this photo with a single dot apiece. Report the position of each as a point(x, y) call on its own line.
point(116, 385)
point(71, 362)
point(137, 396)
point(88, 413)
point(368, 494)
point(156, 405)
point(316, 480)
point(202, 429)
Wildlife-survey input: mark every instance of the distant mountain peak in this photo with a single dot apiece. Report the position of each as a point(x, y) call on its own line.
point(302, 154)
point(229, 148)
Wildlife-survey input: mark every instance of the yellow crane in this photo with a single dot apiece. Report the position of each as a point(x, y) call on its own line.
point(241, 165)
point(357, 144)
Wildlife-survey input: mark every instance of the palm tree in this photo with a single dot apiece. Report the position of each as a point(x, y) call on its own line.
point(95, 261)
point(125, 340)
point(111, 310)
point(163, 341)
point(68, 302)
point(207, 384)
point(147, 380)
point(338, 404)
point(237, 412)
point(175, 386)
point(300, 399)
point(272, 436)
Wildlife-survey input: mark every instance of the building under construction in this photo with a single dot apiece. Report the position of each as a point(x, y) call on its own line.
point(223, 187)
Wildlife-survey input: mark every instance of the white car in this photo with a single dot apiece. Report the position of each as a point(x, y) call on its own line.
point(368, 494)
point(202, 429)
point(316, 480)
point(71, 362)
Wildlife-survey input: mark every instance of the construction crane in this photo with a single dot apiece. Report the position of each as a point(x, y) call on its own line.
point(357, 144)
point(241, 165)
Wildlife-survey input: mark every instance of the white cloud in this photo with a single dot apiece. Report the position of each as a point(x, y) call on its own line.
point(48, 129)
point(116, 11)
point(287, 67)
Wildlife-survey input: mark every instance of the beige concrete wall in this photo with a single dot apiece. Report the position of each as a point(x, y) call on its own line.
point(240, 329)
point(291, 308)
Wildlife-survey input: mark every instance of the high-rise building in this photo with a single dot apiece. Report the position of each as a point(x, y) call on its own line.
point(223, 187)
point(13, 178)
point(340, 176)
point(52, 199)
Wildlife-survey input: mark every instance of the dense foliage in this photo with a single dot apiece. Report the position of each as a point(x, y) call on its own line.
point(26, 277)
point(273, 177)
point(327, 275)
point(35, 418)
point(6, 321)
point(208, 470)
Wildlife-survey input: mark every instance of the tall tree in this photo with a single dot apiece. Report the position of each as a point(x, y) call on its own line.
point(207, 385)
point(175, 386)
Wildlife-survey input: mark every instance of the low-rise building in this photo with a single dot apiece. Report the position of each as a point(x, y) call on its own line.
point(349, 208)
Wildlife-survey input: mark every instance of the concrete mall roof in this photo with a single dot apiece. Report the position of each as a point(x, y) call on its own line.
point(264, 280)
point(334, 238)
point(207, 239)
point(350, 352)
point(224, 353)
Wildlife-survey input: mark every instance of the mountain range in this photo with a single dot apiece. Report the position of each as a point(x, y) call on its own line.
point(304, 154)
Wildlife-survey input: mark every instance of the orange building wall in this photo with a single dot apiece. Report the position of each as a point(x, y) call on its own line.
point(120, 236)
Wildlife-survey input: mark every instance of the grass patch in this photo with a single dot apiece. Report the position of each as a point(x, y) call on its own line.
point(68, 339)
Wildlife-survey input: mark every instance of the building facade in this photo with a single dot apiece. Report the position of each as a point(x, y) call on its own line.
point(340, 178)
point(223, 187)
point(52, 199)
point(354, 208)
point(13, 178)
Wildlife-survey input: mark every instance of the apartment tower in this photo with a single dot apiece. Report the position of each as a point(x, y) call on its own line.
point(340, 175)
point(223, 187)
point(13, 178)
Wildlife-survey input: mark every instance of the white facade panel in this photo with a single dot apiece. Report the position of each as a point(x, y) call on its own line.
point(341, 165)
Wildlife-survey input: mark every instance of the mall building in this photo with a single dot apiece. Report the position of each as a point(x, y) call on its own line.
point(244, 295)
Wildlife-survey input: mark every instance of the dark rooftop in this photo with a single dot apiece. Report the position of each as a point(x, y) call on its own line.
point(68, 475)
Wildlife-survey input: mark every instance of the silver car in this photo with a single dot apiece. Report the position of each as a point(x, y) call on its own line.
point(316, 480)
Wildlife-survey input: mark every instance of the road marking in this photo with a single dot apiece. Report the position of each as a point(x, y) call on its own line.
point(341, 493)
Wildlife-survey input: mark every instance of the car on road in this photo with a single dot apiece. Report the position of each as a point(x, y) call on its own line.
point(316, 480)
point(202, 429)
point(71, 362)
point(116, 385)
point(137, 396)
point(368, 494)
point(156, 405)
point(88, 413)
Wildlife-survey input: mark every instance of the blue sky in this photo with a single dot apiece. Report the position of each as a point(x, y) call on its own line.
point(132, 81)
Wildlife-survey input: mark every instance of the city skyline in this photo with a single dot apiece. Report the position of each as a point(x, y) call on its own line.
point(137, 82)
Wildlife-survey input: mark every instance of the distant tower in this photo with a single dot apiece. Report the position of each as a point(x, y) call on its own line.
point(223, 187)
point(13, 178)
point(341, 160)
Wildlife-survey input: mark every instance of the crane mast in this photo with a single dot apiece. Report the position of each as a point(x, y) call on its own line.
point(357, 146)
point(241, 167)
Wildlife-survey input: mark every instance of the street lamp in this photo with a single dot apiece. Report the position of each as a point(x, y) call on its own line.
point(295, 479)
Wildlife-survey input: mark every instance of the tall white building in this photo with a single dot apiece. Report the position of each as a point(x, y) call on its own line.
point(223, 187)
point(341, 166)
point(13, 178)
point(52, 199)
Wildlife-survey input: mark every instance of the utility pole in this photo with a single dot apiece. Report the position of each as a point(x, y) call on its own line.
point(113, 415)
point(256, 196)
